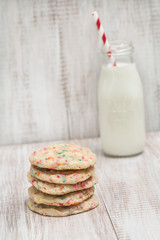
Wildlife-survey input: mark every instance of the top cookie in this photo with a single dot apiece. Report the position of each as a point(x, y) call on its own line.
point(63, 156)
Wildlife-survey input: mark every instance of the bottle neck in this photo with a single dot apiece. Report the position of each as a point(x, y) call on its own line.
point(122, 53)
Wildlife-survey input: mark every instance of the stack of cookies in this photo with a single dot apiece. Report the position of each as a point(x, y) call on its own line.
point(63, 179)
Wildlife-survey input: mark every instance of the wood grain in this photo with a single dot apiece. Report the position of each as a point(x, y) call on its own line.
point(133, 194)
point(128, 191)
point(50, 62)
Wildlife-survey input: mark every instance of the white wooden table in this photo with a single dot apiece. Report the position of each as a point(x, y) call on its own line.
point(128, 192)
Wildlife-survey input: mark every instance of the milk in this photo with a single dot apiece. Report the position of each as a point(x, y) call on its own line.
point(121, 110)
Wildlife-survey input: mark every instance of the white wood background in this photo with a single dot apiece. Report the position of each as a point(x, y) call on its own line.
point(50, 62)
point(128, 191)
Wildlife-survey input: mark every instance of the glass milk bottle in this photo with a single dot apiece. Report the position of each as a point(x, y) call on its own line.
point(121, 106)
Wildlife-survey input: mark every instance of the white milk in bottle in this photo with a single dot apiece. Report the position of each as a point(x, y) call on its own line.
point(121, 107)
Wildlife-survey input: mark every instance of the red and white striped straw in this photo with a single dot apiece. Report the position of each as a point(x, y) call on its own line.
point(104, 38)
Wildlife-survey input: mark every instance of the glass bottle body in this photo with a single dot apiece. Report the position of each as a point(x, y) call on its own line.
point(121, 106)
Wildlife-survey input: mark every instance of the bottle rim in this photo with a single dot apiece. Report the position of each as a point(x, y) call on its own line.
point(119, 48)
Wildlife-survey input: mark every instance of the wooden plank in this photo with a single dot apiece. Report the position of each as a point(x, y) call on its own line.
point(18, 222)
point(50, 62)
point(131, 190)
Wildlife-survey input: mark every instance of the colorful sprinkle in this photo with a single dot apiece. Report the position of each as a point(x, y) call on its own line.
point(64, 180)
point(75, 150)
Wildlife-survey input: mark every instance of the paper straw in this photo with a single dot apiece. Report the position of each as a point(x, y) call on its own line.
point(104, 38)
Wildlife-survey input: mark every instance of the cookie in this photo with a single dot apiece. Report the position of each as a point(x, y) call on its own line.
point(89, 204)
point(61, 189)
point(65, 200)
point(61, 177)
point(63, 157)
